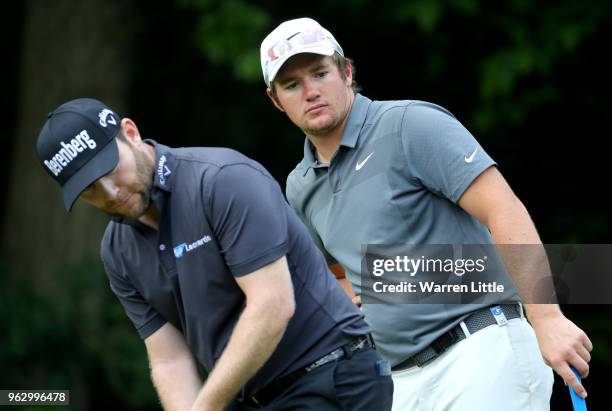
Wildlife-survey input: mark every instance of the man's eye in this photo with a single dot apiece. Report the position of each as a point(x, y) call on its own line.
point(321, 74)
point(290, 86)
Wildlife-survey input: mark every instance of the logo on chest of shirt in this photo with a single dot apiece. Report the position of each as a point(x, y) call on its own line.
point(162, 170)
point(182, 248)
point(361, 164)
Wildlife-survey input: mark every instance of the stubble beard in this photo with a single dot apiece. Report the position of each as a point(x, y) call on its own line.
point(322, 129)
point(144, 182)
point(331, 124)
point(144, 171)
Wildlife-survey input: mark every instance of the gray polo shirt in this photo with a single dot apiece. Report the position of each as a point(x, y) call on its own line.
point(223, 216)
point(395, 179)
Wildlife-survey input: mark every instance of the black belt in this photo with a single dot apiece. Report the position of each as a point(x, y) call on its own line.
point(271, 391)
point(474, 322)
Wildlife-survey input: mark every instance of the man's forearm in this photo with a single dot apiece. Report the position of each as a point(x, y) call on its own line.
point(537, 312)
point(254, 339)
point(177, 383)
point(525, 258)
point(563, 345)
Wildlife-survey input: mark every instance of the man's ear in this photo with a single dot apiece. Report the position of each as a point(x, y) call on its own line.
point(274, 99)
point(130, 131)
point(348, 73)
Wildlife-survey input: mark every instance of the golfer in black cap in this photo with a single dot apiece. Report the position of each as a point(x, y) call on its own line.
point(211, 265)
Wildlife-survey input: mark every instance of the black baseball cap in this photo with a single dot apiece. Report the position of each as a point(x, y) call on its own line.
point(77, 145)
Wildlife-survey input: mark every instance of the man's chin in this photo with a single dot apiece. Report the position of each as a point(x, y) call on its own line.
point(319, 129)
point(129, 214)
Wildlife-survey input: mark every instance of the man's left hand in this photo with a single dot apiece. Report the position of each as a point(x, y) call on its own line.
point(564, 345)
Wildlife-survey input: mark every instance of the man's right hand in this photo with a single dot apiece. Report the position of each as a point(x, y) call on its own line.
point(339, 272)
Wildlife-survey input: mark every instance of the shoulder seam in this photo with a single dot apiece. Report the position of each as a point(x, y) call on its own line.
point(403, 104)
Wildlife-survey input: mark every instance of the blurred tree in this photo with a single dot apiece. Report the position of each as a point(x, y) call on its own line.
point(228, 32)
point(70, 49)
point(82, 342)
point(536, 43)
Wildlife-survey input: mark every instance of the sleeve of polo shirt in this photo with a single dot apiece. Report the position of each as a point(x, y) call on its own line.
point(441, 153)
point(249, 217)
point(145, 318)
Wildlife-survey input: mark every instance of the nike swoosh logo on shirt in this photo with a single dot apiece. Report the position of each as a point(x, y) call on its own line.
point(359, 165)
point(471, 157)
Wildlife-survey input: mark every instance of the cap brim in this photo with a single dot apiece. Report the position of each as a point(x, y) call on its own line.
point(322, 50)
point(103, 163)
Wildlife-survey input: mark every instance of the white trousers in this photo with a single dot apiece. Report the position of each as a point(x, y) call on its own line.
point(497, 368)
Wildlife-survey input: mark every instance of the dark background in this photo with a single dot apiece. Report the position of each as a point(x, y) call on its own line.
point(531, 80)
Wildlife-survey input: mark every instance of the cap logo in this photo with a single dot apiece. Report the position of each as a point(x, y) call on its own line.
point(106, 116)
point(69, 152)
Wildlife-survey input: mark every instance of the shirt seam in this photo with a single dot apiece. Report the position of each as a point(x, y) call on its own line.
point(145, 330)
point(207, 191)
point(237, 268)
point(410, 175)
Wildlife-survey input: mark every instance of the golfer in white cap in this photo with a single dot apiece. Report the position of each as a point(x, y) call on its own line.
point(408, 172)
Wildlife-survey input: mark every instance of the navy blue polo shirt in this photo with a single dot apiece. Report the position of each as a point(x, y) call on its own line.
point(223, 216)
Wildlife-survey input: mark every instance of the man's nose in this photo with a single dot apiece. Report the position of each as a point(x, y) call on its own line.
point(311, 89)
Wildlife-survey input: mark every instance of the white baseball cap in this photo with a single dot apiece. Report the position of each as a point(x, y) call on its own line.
point(293, 37)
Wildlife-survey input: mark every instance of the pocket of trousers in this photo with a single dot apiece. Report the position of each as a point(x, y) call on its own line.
point(359, 386)
point(526, 353)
